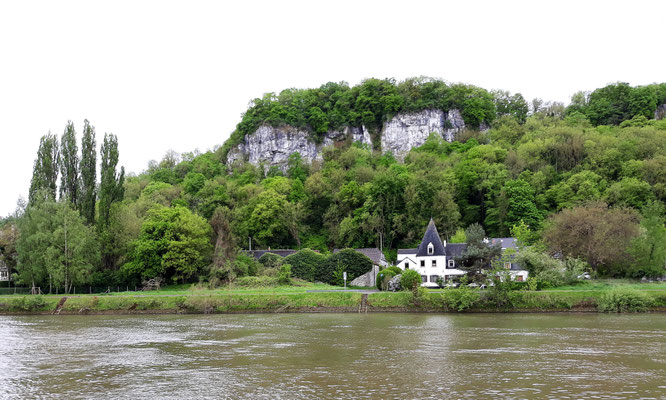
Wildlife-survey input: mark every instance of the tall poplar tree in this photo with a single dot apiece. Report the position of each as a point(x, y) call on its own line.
point(88, 168)
point(45, 171)
point(110, 191)
point(69, 165)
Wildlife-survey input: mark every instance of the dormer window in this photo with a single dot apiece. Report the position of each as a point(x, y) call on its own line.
point(452, 264)
point(431, 248)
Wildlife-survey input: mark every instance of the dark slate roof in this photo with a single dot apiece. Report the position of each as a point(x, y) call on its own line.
point(455, 249)
point(372, 253)
point(505, 243)
point(258, 253)
point(431, 236)
point(407, 251)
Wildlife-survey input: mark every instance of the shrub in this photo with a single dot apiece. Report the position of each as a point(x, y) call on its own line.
point(385, 275)
point(305, 263)
point(256, 281)
point(410, 280)
point(461, 299)
point(245, 265)
point(624, 300)
point(347, 260)
point(284, 276)
point(270, 260)
point(28, 303)
point(396, 270)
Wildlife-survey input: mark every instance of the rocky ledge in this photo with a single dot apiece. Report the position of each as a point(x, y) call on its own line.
point(271, 146)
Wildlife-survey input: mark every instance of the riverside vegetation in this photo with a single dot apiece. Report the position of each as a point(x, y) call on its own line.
point(616, 297)
point(584, 181)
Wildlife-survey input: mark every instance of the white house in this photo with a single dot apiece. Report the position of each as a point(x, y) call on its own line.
point(434, 259)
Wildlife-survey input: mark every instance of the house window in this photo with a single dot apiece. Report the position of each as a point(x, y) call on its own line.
point(434, 263)
point(452, 264)
point(431, 249)
point(519, 278)
point(434, 278)
point(406, 264)
point(424, 278)
point(507, 265)
point(422, 263)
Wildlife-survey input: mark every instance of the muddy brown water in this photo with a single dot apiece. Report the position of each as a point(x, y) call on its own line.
point(341, 356)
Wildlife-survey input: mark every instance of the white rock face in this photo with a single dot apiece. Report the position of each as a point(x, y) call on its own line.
point(406, 131)
point(660, 112)
point(272, 145)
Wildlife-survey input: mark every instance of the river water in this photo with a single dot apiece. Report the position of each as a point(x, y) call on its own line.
point(342, 356)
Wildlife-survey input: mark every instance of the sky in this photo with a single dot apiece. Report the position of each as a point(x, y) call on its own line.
point(177, 75)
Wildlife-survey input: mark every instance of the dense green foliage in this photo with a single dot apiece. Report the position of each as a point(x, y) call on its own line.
point(624, 300)
point(410, 280)
point(43, 185)
point(174, 243)
point(88, 170)
point(270, 260)
point(305, 263)
point(384, 276)
point(618, 102)
point(55, 247)
point(536, 174)
point(353, 263)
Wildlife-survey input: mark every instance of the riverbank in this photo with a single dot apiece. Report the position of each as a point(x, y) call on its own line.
point(453, 300)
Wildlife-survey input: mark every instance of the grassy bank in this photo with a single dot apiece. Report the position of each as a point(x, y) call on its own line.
point(290, 299)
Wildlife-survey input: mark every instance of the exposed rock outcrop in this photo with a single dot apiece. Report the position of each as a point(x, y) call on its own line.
point(367, 279)
point(405, 131)
point(271, 146)
point(660, 112)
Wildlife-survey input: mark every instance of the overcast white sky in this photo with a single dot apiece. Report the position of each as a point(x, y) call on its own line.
point(177, 75)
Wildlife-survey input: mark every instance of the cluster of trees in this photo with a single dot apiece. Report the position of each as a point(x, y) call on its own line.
point(63, 237)
point(185, 217)
point(619, 102)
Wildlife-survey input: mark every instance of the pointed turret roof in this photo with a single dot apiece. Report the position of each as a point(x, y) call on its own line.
point(431, 236)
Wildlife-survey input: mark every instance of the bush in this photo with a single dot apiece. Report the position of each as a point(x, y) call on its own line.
point(347, 260)
point(284, 276)
point(270, 260)
point(256, 281)
point(624, 300)
point(396, 270)
point(28, 303)
point(461, 299)
point(410, 280)
point(385, 275)
point(245, 265)
point(305, 263)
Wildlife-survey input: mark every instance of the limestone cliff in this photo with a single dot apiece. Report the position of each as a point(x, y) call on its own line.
point(272, 145)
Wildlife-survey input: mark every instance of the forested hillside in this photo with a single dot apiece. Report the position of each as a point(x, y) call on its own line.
point(539, 170)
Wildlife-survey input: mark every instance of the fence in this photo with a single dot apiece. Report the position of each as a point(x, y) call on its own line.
point(74, 291)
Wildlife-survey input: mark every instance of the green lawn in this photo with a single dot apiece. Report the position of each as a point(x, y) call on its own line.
point(607, 284)
point(193, 289)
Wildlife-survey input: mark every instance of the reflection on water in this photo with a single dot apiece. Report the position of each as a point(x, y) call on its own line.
point(334, 356)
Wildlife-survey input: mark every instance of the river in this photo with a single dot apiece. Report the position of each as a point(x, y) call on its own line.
point(342, 356)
